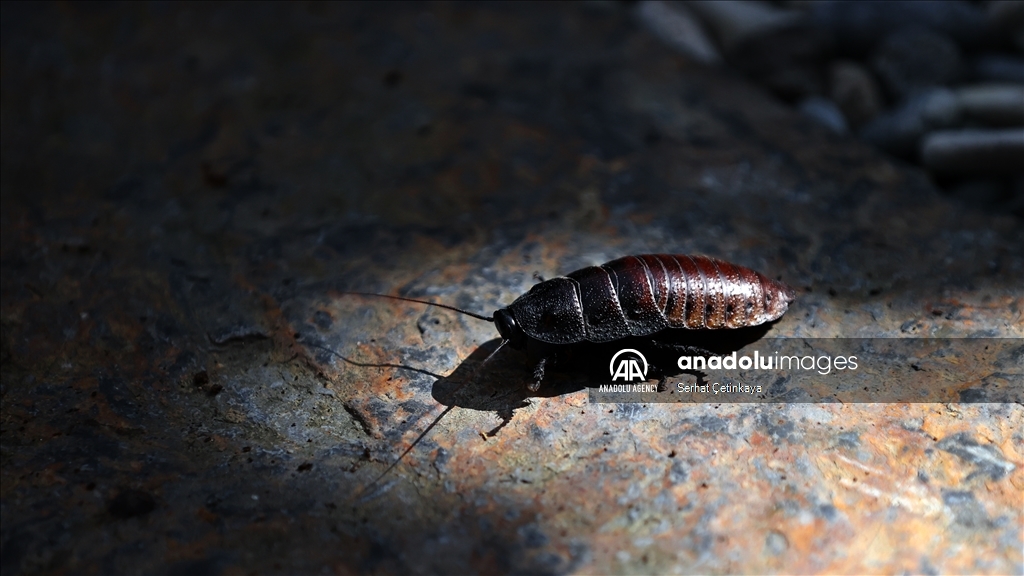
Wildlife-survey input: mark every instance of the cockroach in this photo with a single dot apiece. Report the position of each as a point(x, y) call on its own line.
point(633, 296)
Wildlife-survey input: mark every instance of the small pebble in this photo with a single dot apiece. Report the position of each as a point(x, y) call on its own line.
point(911, 60)
point(973, 151)
point(775, 543)
point(734, 21)
point(824, 112)
point(998, 68)
point(675, 26)
point(993, 104)
point(856, 27)
point(899, 131)
point(855, 91)
point(775, 47)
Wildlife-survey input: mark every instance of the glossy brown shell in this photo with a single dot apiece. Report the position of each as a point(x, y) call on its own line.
point(644, 294)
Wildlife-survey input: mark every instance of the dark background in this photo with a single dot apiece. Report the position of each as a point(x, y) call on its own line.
point(186, 188)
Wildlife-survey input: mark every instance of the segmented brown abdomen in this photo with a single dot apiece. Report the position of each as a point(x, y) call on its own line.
point(640, 295)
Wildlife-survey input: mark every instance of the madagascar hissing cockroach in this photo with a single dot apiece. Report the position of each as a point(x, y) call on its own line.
point(633, 296)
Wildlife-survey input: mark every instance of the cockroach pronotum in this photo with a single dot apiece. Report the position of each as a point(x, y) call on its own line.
point(636, 296)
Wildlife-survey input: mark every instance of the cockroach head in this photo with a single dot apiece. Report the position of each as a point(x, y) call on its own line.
point(509, 330)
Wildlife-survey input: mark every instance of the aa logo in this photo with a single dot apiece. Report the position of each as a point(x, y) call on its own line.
point(628, 365)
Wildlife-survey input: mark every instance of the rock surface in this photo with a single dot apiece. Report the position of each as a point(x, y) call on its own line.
point(187, 190)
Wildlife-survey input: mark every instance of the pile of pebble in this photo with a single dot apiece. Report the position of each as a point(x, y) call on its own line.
point(939, 83)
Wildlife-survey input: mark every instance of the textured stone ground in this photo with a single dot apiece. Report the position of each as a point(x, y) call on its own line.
point(186, 190)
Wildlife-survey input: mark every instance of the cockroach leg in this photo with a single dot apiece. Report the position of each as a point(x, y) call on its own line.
point(681, 348)
point(506, 417)
point(538, 375)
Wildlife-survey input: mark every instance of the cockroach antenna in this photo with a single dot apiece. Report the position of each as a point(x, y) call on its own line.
point(427, 302)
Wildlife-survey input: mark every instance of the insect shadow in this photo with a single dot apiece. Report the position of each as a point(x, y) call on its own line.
point(499, 384)
point(496, 380)
point(489, 382)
